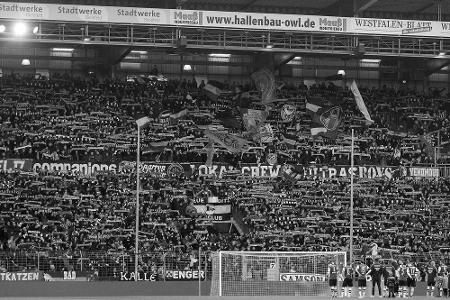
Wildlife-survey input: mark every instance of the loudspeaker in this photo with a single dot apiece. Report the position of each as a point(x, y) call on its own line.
point(360, 49)
point(182, 41)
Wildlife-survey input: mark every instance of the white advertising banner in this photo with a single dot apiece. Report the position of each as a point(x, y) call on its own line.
point(258, 21)
point(399, 27)
point(84, 13)
point(220, 19)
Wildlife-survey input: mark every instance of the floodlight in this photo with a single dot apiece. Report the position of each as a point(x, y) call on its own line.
point(220, 55)
point(20, 28)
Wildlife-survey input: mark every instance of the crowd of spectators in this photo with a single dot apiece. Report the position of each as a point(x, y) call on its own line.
point(67, 120)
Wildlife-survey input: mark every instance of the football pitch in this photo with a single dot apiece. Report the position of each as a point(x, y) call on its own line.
point(203, 298)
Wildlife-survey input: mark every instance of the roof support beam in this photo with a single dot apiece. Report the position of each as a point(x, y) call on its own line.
point(434, 65)
point(248, 4)
point(342, 8)
point(425, 7)
point(365, 7)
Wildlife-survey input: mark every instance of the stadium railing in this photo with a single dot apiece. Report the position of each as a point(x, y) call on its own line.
point(110, 265)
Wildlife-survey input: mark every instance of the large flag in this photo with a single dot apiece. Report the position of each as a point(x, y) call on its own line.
point(252, 118)
point(265, 133)
point(142, 121)
point(179, 114)
point(213, 89)
point(265, 82)
point(325, 119)
point(288, 112)
point(229, 118)
point(215, 209)
point(360, 102)
point(156, 147)
point(231, 142)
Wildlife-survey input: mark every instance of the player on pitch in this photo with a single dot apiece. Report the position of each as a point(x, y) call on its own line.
point(362, 270)
point(402, 279)
point(431, 278)
point(332, 278)
point(389, 275)
point(376, 272)
point(442, 279)
point(347, 285)
point(413, 273)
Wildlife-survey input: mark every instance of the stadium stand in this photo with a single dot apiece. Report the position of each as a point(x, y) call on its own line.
point(68, 183)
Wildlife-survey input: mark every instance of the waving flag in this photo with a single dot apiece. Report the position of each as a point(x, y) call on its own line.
point(265, 82)
point(231, 142)
point(360, 102)
point(179, 114)
point(156, 147)
point(213, 89)
point(142, 121)
point(252, 118)
point(325, 120)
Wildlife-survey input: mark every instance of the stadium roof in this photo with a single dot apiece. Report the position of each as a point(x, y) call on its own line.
point(406, 9)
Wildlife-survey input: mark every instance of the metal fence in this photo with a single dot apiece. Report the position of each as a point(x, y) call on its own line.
point(112, 265)
point(107, 265)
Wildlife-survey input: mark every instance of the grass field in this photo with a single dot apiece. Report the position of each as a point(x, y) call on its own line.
point(199, 298)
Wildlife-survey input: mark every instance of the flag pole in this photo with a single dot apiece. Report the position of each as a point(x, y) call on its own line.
point(351, 195)
point(136, 241)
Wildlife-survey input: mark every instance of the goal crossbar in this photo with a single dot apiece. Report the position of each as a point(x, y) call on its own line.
point(277, 273)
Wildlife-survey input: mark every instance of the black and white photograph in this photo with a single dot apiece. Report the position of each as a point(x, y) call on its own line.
point(236, 149)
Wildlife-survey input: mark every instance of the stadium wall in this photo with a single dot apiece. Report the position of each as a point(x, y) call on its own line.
point(102, 289)
point(117, 289)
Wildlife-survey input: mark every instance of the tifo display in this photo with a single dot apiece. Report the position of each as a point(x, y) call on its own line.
point(243, 185)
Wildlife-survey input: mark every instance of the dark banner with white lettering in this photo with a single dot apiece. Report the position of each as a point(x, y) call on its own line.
point(21, 276)
point(142, 276)
point(302, 277)
point(221, 170)
point(184, 275)
point(423, 172)
point(12, 164)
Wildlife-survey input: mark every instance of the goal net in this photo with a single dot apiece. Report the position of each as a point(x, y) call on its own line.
point(272, 273)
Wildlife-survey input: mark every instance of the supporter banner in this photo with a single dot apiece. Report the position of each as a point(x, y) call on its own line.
point(167, 170)
point(184, 275)
point(423, 172)
point(297, 171)
point(221, 212)
point(216, 19)
point(62, 276)
point(231, 142)
point(252, 170)
point(302, 277)
point(142, 276)
point(21, 276)
point(215, 209)
point(82, 168)
point(300, 171)
point(16, 164)
point(156, 169)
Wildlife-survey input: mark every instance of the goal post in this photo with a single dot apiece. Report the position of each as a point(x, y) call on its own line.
point(248, 273)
